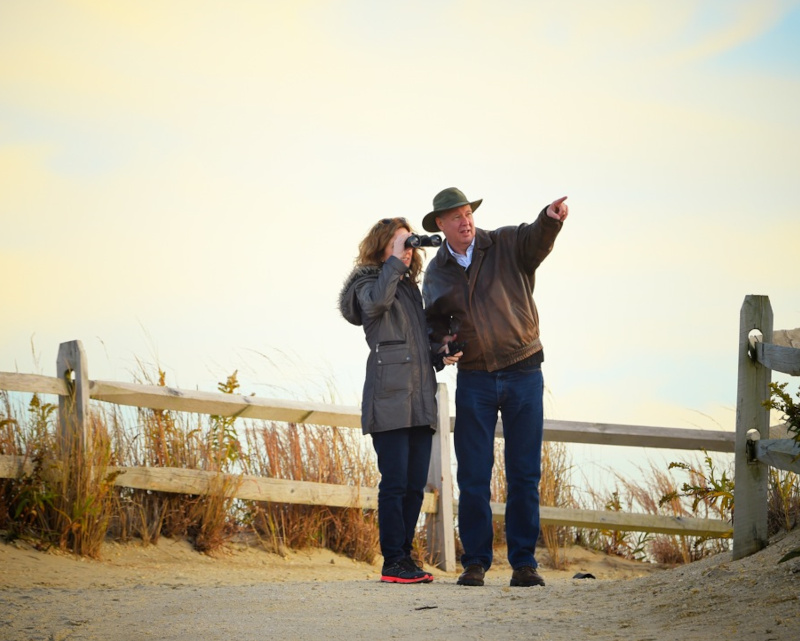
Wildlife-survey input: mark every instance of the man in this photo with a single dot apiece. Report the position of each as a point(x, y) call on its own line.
point(478, 290)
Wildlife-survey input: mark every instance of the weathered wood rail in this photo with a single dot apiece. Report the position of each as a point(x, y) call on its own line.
point(74, 389)
point(761, 350)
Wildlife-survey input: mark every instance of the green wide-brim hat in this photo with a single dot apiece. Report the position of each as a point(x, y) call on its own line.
point(449, 198)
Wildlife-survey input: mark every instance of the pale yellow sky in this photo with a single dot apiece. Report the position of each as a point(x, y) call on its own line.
point(187, 182)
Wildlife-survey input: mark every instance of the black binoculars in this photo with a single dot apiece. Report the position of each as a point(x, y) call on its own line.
point(421, 240)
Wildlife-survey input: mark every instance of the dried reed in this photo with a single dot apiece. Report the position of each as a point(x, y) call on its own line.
point(321, 455)
point(555, 490)
point(72, 502)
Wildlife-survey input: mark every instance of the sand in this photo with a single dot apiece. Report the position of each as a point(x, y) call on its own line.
point(169, 591)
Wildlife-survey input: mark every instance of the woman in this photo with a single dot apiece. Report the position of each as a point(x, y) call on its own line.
point(398, 406)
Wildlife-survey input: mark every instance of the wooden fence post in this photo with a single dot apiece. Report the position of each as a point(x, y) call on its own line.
point(73, 409)
point(751, 476)
point(441, 537)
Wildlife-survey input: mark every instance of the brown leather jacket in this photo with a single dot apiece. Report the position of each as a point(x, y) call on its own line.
point(490, 306)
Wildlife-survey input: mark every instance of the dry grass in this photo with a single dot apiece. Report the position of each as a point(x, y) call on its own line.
point(555, 490)
point(656, 491)
point(321, 455)
point(68, 499)
point(74, 504)
point(783, 511)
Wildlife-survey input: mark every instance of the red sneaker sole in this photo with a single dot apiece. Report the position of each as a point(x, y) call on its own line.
point(394, 579)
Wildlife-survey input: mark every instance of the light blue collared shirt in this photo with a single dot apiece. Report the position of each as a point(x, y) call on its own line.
point(461, 259)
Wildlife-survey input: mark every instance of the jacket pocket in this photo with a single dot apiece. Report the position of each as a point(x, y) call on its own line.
point(394, 368)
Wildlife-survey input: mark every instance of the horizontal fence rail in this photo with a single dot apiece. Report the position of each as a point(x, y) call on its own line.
point(256, 488)
point(626, 521)
point(781, 453)
point(778, 358)
point(673, 438)
point(251, 407)
point(240, 486)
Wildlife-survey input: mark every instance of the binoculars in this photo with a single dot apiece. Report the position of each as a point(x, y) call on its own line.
point(421, 240)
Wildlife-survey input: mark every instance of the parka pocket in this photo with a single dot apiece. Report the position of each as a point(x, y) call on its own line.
point(394, 368)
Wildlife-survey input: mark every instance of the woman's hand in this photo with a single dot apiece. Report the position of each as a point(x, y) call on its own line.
point(399, 248)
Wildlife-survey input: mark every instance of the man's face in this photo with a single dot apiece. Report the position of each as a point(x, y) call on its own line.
point(458, 227)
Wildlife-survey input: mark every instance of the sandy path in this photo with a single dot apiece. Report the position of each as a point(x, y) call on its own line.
point(259, 596)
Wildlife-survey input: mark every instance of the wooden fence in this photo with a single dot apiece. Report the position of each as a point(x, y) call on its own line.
point(74, 389)
point(760, 352)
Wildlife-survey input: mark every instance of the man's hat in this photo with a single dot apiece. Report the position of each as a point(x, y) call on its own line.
point(449, 198)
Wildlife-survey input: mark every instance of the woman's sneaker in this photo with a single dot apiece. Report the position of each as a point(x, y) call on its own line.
point(411, 564)
point(400, 572)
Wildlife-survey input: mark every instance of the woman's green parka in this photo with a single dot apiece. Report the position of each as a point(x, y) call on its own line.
point(400, 385)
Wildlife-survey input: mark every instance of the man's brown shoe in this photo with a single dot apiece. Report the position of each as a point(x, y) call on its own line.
point(526, 577)
point(472, 575)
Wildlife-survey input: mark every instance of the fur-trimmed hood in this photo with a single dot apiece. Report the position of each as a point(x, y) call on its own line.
point(348, 302)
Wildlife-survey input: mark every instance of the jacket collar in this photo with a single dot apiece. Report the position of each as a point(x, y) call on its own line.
point(483, 240)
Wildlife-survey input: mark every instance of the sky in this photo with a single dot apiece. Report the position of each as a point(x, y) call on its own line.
point(184, 184)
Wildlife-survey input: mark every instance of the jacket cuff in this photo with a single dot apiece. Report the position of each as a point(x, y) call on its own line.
point(396, 264)
point(548, 220)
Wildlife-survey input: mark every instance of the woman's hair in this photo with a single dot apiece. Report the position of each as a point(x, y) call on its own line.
point(370, 251)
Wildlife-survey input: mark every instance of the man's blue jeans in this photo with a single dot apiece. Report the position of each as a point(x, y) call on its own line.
point(404, 456)
point(517, 396)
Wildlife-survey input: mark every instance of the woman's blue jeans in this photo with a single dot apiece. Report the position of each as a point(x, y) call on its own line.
point(403, 459)
point(517, 396)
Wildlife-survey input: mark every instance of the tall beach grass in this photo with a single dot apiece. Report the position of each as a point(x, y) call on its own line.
point(75, 505)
